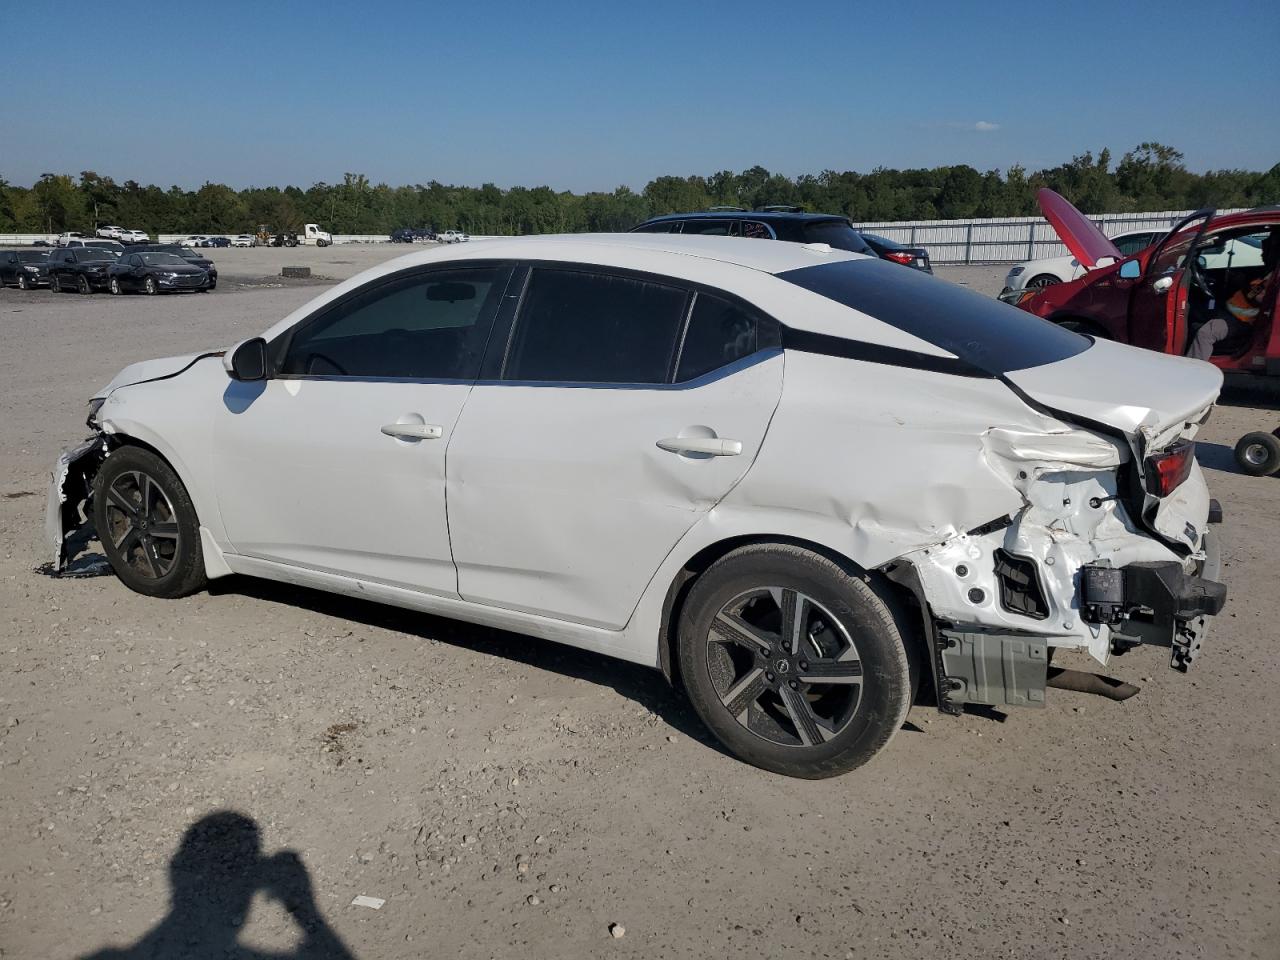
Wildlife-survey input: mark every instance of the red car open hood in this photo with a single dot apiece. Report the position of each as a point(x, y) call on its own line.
point(1086, 242)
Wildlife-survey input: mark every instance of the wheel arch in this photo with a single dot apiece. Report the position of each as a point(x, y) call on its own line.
point(897, 597)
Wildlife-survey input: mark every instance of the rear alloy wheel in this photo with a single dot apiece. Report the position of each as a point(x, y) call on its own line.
point(1042, 280)
point(114, 286)
point(147, 524)
point(55, 285)
point(796, 664)
point(1258, 454)
point(150, 286)
point(82, 285)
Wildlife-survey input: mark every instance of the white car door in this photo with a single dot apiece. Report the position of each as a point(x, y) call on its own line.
point(621, 410)
point(336, 462)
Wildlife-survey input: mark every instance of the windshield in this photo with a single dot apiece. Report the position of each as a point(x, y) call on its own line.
point(90, 254)
point(987, 334)
point(162, 260)
point(838, 234)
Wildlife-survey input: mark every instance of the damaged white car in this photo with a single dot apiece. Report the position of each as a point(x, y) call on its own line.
point(799, 481)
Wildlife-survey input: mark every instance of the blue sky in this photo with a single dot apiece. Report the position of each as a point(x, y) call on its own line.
point(587, 96)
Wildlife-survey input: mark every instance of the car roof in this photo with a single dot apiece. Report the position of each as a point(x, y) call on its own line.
point(764, 216)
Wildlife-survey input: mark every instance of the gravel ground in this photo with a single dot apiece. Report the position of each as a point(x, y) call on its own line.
point(510, 797)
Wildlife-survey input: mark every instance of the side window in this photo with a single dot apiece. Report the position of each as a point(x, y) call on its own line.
point(719, 333)
point(719, 228)
point(1131, 245)
point(423, 327)
point(595, 328)
point(666, 226)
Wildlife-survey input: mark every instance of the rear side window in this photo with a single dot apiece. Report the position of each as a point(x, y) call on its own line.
point(578, 327)
point(718, 228)
point(719, 333)
point(430, 326)
point(985, 333)
point(1132, 244)
point(837, 234)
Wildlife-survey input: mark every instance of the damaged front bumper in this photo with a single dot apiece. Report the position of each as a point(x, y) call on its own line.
point(68, 516)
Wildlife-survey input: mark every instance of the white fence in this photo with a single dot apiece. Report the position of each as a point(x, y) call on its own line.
point(996, 240)
point(1007, 239)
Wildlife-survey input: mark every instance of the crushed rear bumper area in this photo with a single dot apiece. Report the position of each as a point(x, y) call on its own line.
point(1156, 603)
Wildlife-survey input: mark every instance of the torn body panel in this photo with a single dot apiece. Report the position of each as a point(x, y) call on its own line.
point(68, 524)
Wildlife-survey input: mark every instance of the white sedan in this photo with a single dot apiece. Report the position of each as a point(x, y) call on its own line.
point(109, 232)
point(244, 240)
point(195, 240)
point(1045, 272)
point(591, 440)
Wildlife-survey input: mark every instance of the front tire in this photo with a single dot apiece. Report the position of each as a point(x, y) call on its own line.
point(1258, 454)
point(794, 663)
point(150, 287)
point(82, 285)
point(148, 525)
point(22, 282)
point(1042, 280)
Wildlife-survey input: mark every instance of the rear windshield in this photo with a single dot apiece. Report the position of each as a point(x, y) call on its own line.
point(32, 256)
point(985, 333)
point(837, 234)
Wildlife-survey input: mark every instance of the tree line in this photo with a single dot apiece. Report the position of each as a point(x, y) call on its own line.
point(1149, 177)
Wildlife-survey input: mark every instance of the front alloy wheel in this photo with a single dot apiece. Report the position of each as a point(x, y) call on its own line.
point(150, 286)
point(22, 282)
point(794, 661)
point(82, 285)
point(147, 524)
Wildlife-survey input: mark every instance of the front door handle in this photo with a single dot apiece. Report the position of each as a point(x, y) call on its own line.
point(413, 431)
point(707, 446)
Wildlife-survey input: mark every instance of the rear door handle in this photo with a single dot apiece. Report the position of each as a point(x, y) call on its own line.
point(413, 431)
point(709, 446)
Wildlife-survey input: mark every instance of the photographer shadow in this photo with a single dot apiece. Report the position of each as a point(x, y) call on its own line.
point(215, 873)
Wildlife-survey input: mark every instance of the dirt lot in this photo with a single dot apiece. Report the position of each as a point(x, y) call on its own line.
point(508, 797)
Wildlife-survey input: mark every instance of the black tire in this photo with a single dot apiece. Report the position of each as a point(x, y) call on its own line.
point(1258, 454)
point(22, 282)
point(157, 554)
point(151, 287)
point(55, 285)
point(113, 285)
point(846, 721)
point(82, 285)
point(1042, 280)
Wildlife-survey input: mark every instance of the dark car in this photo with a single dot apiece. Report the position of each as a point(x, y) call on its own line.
point(411, 235)
point(186, 253)
point(154, 273)
point(83, 269)
point(216, 242)
point(891, 250)
point(770, 223)
point(24, 269)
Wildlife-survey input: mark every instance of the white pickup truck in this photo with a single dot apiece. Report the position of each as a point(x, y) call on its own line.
point(452, 236)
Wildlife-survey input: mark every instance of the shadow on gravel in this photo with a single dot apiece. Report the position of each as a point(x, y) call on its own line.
point(1217, 456)
point(644, 685)
point(215, 873)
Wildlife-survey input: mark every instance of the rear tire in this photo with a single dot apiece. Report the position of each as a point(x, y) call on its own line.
point(82, 285)
point(148, 525)
point(114, 286)
point(759, 685)
point(1258, 454)
point(55, 285)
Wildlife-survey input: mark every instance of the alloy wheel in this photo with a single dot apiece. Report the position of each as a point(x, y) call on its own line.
point(115, 286)
point(784, 666)
point(142, 524)
point(1255, 454)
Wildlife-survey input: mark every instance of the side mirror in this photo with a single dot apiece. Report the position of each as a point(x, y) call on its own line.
point(1130, 270)
point(247, 360)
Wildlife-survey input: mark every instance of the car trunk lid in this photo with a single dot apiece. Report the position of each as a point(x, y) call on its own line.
point(1156, 401)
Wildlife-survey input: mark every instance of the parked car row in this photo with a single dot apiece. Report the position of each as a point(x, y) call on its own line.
point(111, 232)
point(92, 266)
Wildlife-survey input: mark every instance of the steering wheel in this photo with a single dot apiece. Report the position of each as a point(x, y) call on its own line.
point(1195, 274)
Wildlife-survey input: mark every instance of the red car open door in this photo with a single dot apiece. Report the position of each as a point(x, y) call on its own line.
point(1158, 301)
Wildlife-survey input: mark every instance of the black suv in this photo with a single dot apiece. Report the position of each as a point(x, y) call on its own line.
point(24, 269)
point(83, 269)
point(768, 223)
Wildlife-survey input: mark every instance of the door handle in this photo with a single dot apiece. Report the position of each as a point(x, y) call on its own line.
point(413, 431)
point(708, 446)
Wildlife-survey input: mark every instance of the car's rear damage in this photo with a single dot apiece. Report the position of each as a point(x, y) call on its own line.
point(1098, 558)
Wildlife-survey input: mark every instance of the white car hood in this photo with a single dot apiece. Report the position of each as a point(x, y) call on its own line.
point(151, 370)
point(1140, 392)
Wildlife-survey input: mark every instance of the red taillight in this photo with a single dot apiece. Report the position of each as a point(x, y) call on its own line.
point(1166, 470)
point(905, 259)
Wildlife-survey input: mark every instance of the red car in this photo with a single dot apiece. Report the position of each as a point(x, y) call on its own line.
point(1158, 297)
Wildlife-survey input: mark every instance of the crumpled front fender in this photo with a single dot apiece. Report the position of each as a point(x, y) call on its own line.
point(68, 524)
